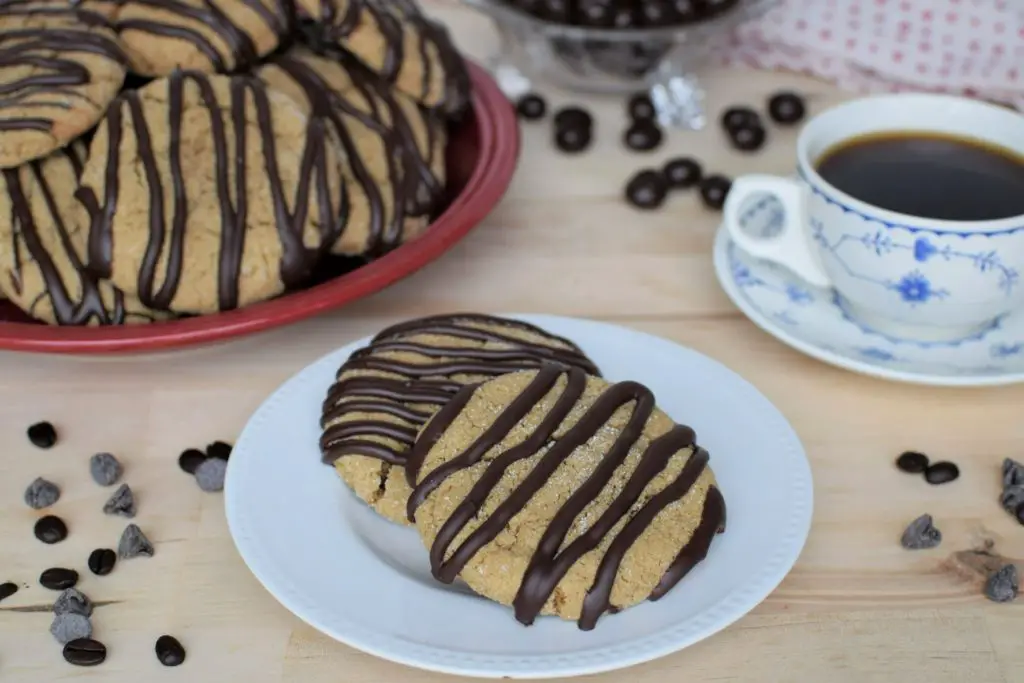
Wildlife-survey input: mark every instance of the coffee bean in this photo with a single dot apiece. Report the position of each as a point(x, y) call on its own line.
point(51, 529)
point(102, 561)
point(573, 117)
point(73, 601)
point(105, 469)
point(641, 108)
point(786, 108)
point(646, 189)
point(41, 494)
point(1003, 585)
point(121, 503)
point(531, 107)
point(643, 136)
point(58, 578)
point(69, 626)
point(941, 473)
point(912, 462)
point(7, 589)
point(218, 449)
point(134, 543)
point(169, 651)
point(682, 173)
point(189, 459)
point(1013, 473)
point(572, 139)
point(42, 434)
point(739, 117)
point(210, 474)
point(714, 189)
point(85, 652)
point(748, 138)
point(921, 534)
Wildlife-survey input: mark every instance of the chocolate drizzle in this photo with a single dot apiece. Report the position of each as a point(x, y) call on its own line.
point(296, 260)
point(553, 558)
point(413, 392)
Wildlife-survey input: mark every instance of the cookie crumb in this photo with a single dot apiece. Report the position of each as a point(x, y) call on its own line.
point(121, 503)
point(73, 601)
point(210, 474)
point(1003, 585)
point(921, 534)
point(41, 494)
point(70, 626)
point(105, 469)
point(134, 543)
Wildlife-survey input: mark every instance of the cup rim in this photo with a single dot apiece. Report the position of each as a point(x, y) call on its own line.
point(894, 218)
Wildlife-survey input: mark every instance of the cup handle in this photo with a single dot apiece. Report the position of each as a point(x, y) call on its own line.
point(792, 247)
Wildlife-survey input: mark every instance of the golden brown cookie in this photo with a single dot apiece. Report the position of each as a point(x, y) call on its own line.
point(205, 35)
point(59, 69)
point(562, 494)
point(386, 391)
point(209, 193)
point(399, 43)
point(40, 269)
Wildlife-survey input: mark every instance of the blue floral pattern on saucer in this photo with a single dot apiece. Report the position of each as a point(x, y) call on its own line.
point(816, 321)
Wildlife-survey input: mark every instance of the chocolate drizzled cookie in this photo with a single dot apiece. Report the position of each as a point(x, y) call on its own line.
point(558, 493)
point(388, 390)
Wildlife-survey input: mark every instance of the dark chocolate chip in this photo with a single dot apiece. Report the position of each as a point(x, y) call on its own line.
point(105, 469)
point(1013, 473)
point(85, 652)
point(597, 13)
point(102, 561)
point(646, 189)
point(121, 503)
point(531, 107)
point(42, 434)
point(941, 473)
point(739, 117)
point(921, 534)
point(682, 173)
point(134, 543)
point(573, 117)
point(748, 138)
point(786, 108)
point(169, 651)
point(625, 15)
point(1012, 498)
point(1003, 585)
point(7, 589)
point(912, 462)
point(58, 578)
point(643, 136)
point(41, 494)
point(641, 108)
point(556, 10)
point(69, 626)
point(1020, 513)
point(218, 449)
point(714, 189)
point(686, 11)
point(73, 601)
point(572, 139)
point(656, 13)
point(51, 529)
point(190, 459)
point(210, 474)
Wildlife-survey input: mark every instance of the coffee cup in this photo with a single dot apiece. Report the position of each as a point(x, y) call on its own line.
point(913, 277)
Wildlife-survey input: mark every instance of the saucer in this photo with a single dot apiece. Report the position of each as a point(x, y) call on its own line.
point(816, 321)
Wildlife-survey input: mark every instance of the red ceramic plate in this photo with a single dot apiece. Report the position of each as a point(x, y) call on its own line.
point(482, 157)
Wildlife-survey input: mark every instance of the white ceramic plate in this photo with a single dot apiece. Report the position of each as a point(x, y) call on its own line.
point(366, 582)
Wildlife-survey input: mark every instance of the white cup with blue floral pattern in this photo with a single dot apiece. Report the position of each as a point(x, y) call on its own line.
point(905, 276)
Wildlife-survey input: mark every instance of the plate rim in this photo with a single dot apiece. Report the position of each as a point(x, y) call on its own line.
point(499, 143)
point(722, 271)
point(721, 615)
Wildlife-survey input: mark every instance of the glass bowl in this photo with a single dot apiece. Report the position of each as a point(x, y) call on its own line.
point(660, 60)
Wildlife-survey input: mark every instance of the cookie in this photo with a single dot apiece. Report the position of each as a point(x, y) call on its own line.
point(202, 35)
point(40, 270)
point(208, 192)
point(395, 40)
point(562, 494)
point(385, 392)
point(59, 69)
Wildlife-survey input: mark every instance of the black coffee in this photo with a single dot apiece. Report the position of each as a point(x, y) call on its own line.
point(928, 175)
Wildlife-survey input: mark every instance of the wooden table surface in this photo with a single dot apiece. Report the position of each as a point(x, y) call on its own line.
point(856, 607)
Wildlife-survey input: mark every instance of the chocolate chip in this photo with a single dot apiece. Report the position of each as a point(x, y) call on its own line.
point(921, 534)
point(646, 189)
point(640, 107)
point(41, 494)
point(531, 107)
point(682, 173)
point(912, 462)
point(189, 459)
point(69, 627)
point(1013, 473)
point(739, 117)
point(210, 474)
point(58, 578)
point(714, 189)
point(42, 434)
point(85, 652)
point(748, 138)
point(102, 561)
point(572, 139)
point(941, 473)
point(1012, 498)
point(573, 117)
point(51, 529)
point(169, 651)
point(218, 449)
point(134, 543)
point(105, 469)
point(73, 601)
point(1003, 585)
point(786, 108)
point(643, 136)
point(121, 503)
point(7, 589)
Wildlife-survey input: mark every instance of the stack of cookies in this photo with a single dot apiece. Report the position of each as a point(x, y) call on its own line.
point(536, 482)
point(162, 158)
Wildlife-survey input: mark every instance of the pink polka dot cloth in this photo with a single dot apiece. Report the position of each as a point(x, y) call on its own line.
point(966, 47)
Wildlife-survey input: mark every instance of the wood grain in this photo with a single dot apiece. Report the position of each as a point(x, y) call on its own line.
point(856, 609)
